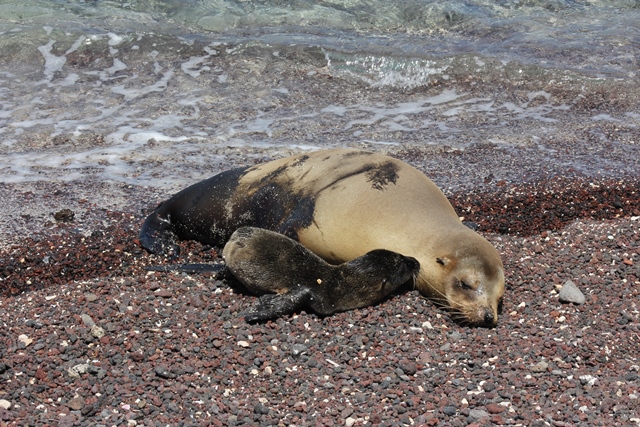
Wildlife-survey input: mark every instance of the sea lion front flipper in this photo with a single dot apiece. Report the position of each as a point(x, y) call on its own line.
point(271, 306)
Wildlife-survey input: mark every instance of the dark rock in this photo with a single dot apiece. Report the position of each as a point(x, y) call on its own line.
point(64, 215)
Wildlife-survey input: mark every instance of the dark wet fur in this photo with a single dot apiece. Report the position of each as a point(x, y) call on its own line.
point(200, 212)
point(195, 213)
point(269, 262)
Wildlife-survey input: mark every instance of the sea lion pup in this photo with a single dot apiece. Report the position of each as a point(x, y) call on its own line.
point(341, 204)
point(266, 262)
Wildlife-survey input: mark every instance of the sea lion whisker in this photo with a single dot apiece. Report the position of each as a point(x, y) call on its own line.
point(458, 317)
point(438, 300)
point(444, 300)
point(440, 295)
point(434, 289)
point(455, 305)
point(463, 321)
point(456, 314)
point(437, 297)
point(414, 278)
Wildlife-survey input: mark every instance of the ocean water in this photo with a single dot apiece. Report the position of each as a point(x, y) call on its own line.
point(163, 93)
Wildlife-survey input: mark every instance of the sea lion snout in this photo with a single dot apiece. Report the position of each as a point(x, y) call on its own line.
point(410, 265)
point(489, 318)
point(483, 316)
point(407, 268)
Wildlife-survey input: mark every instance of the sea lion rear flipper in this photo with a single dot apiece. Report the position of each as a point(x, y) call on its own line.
point(273, 305)
point(157, 235)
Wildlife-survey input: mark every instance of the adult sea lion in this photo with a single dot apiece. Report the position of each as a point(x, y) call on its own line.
point(341, 204)
point(293, 277)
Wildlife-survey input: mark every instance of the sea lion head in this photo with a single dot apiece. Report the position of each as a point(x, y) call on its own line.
point(389, 269)
point(469, 282)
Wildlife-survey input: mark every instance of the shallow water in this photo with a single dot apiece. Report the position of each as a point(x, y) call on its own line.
point(164, 93)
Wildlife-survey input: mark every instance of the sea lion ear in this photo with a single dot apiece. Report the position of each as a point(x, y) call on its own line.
point(442, 261)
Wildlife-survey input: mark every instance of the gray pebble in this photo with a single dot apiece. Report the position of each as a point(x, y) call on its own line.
point(540, 367)
point(449, 410)
point(165, 373)
point(33, 324)
point(87, 320)
point(477, 414)
point(455, 336)
point(589, 380)
point(571, 293)
point(298, 349)
point(259, 408)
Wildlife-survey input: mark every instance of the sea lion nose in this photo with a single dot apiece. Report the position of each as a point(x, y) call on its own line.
point(489, 320)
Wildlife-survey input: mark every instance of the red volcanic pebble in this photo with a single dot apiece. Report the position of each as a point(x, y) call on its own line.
point(89, 337)
point(494, 408)
point(550, 204)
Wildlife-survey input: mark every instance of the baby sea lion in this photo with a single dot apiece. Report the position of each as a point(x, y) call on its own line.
point(266, 262)
point(341, 204)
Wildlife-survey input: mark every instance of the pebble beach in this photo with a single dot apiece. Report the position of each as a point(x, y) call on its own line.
point(92, 338)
